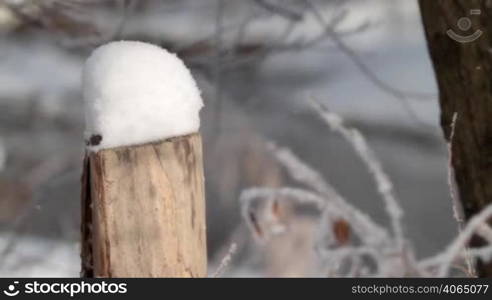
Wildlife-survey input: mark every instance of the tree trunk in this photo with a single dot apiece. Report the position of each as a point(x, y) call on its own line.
point(143, 211)
point(464, 75)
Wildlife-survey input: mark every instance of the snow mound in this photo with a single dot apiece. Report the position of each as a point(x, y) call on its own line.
point(137, 93)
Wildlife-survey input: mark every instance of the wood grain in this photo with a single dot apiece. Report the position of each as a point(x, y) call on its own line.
point(143, 211)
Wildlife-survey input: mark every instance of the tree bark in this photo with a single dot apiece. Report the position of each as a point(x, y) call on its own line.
point(143, 211)
point(464, 77)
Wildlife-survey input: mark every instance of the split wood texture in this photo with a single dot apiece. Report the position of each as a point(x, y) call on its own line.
point(143, 211)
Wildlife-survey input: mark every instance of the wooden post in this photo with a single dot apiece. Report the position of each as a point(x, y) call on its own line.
point(143, 211)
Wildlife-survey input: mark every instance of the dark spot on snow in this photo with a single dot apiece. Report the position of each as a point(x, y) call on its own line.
point(95, 139)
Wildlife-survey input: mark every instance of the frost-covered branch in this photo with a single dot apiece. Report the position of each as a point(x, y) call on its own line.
point(341, 255)
point(304, 174)
point(3, 155)
point(456, 249)
point(458, 212)
point(362, 149)
point(224, 263)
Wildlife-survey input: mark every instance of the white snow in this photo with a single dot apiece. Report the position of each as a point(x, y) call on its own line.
point(137, 93)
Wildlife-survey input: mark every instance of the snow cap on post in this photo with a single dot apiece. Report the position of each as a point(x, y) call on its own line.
point(137, 93)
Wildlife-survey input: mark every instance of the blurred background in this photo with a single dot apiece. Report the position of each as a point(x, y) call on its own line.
point(257, 63)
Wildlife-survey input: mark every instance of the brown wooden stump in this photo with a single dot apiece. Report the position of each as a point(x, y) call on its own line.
point(143, 211)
